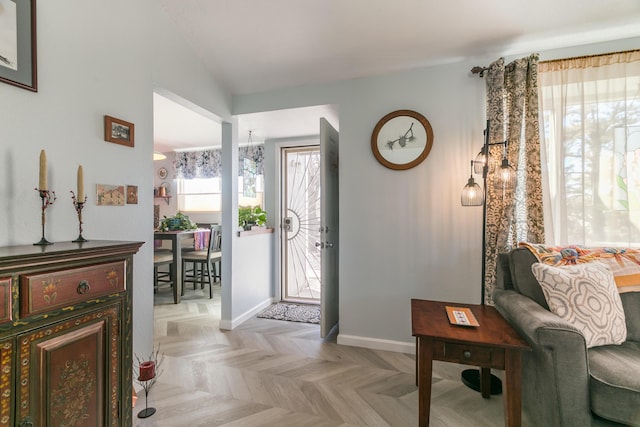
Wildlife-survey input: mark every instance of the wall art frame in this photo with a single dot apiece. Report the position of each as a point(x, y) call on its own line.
point(18, 54)
point(402, 139)
point(119, 131)
point(110, 195)
point(132, 194)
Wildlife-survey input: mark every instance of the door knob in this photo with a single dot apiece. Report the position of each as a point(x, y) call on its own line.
point(319, 245)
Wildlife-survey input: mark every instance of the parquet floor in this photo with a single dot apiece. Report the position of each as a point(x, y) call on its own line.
point(278, 373)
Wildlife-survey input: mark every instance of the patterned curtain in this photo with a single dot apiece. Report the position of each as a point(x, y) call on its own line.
point(208, 163)
point(512, 110)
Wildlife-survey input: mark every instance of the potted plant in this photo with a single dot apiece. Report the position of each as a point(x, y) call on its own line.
point(179, 221)
point(249, 216)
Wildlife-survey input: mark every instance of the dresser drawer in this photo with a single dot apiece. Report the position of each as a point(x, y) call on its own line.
point(41, 292)
point(470, 354)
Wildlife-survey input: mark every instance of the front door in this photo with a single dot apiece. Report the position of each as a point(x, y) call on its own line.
point(329, 230)
point(310, 225)
point(302, 275)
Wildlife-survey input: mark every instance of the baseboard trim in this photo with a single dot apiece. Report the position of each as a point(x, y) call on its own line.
point(234, 323)
point(377, 344)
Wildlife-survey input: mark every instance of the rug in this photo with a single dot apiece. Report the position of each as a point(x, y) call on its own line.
point(304, 313)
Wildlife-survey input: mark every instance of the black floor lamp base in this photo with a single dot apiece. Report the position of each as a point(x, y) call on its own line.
point(146, 412)
point(471, 378)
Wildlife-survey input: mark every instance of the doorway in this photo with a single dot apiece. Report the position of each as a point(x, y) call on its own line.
point(310, 225)
point(301, 257)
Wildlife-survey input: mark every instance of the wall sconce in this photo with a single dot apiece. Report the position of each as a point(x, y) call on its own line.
point(158, 156)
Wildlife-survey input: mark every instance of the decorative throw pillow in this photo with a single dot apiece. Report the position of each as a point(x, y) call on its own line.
point(585, 295)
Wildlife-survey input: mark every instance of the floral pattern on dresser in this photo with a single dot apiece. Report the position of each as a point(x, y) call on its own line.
point(74, 390)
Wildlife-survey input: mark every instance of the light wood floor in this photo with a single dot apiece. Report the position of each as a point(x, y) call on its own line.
point(278, 373)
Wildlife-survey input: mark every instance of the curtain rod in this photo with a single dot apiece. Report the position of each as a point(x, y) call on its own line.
point(589, 56)
point(480, 70)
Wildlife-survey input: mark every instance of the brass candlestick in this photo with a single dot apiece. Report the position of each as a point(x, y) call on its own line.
point(79, 205)
point(48, 198)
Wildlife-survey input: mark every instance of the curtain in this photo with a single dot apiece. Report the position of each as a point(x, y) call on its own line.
point(590, 111)
point(208, 163)
point(512, 110)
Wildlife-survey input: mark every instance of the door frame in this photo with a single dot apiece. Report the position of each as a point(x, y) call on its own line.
point(279, 185)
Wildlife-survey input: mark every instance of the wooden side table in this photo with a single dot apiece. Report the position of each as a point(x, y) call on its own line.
point(493, 344)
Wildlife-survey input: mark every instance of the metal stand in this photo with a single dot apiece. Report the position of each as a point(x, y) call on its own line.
point(146, 412)
point(46, 199)
point(472, 377)
point(148, 383)
point(79, 205)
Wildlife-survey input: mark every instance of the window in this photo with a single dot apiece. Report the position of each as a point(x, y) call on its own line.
point(205, 194)
point(200, 195)
point(199, 182)
point(590, 113)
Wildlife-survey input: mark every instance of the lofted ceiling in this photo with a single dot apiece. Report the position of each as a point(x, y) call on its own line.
point(253, 46)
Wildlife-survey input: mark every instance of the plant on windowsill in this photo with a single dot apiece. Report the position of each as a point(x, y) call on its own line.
point(249, 216)
point(179, 221)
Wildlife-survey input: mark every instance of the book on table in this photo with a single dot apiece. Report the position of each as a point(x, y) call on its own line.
point(461, 316)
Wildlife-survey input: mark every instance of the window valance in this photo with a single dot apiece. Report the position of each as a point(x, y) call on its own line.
point(208, 163)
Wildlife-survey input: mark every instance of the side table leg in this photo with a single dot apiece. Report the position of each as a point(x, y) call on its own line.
point(513, 390)
point(417, 358)
point(485, 382)
point(425, 367)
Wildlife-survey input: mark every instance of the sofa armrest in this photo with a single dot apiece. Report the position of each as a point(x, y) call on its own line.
point(555, 373)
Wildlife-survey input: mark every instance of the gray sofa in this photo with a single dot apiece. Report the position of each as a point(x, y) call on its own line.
point(563, 383)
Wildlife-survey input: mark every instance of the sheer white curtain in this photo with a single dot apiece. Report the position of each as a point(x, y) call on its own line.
point(590, 142)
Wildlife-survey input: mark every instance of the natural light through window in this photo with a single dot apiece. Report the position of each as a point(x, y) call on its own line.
point(591, 139)
point(205, 194)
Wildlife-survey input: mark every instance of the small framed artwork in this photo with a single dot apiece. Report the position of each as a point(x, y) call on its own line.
point(162, 173)
point(402, 139)
point(132, 194)
point(18, 57)
point(110, 195)
point(118, 131)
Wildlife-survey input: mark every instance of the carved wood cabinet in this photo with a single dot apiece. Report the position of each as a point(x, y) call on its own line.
point(65, 334)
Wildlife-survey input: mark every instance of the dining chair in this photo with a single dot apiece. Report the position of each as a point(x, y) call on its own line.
point(162, 257)
point(203, 263)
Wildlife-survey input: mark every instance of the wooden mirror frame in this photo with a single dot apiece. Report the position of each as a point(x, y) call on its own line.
point(404, 118)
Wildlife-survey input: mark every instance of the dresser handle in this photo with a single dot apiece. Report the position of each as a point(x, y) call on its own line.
point(27, 422)
point(467, 354)
point(83, 287)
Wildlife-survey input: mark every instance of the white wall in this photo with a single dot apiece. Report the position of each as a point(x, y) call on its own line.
point(403, 234)
point(95, 58)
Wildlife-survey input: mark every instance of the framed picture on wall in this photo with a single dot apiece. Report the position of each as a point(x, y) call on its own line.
point(110, 195)
point(402, 139)
point(18, 57)
point(118, 131)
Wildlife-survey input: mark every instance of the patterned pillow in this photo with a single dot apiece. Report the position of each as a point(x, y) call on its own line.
point(585, 295)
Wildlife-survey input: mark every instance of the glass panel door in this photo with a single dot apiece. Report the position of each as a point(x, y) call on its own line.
point(301, 224)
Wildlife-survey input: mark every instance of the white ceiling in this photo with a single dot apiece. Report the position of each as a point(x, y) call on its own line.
point(253, 46)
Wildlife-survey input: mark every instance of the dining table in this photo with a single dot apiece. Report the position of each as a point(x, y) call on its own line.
point(177, 237)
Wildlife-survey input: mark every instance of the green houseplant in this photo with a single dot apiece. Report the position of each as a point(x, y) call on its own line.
point(251, 215)
point(179, 221)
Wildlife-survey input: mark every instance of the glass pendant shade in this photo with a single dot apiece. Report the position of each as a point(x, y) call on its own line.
point(506, 176)
point(479, 162)
point(472, 194)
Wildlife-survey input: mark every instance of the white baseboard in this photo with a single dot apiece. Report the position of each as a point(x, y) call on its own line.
point(377, 344)
point(234, 323)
